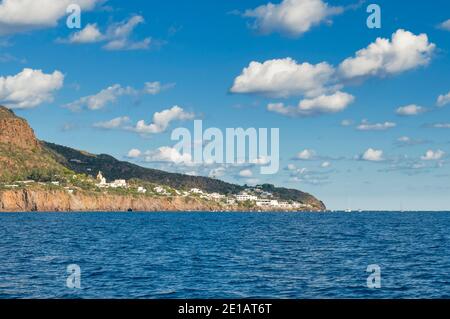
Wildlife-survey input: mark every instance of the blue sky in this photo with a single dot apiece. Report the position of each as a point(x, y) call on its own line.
point(196, 50)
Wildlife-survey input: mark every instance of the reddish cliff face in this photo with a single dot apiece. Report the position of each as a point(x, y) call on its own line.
point(61, 201)
point(16, 131)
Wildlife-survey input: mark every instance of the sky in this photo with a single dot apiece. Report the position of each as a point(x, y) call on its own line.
point(363, 113)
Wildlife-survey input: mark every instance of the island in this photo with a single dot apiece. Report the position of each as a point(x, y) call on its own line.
point(37, 176)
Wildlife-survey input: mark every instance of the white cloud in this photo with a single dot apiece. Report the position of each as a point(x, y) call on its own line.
point(246, 173)
point(441, 125)
point(168, 154)
point(410, 110)
point(291, 17)
point(346, 123)
point(306, 154)
point(112, 93)
point(431, 155)
point(372, 155)
point(26, 15)
point(443, 99)
point(216, 172)
point(291, 167)
point(134, 153)
point(325, 164)
point(404, 139)
point(366, 126)
point(283, 78)
point(161, 120)
point(403, 52)
point(326, 103)
point(102, 98)
point(322, 104)
point(263, 160)
point(445, 25)
point(408, 141)
point(117, 122)
point(116, 37)
point(156, 87)
point(89, 34)
point(29, 88)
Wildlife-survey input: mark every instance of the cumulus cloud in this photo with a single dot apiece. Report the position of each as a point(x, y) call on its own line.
point(443, 99)
point(333, 103)
point(445, 25)
point(29, 88)
point(134, 153)
point(162, 120)
point(168, 154)
point(431, 155)
point(26, 15)
point(410, 110)
point(403, 52)
point(112, 93)
point(366, 126)
point(246, 173)
point(346, 122)
point(156, 87)
point(372, 155)
point(320, 84)
point(116, 37)
point(291, 17)
point(325, 164)
point(89, 34)
point(306, 154)
point(283, 78)
point(117, 122)
point(101, 99)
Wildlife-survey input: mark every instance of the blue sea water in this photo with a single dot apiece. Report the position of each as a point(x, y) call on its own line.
point(225, 255)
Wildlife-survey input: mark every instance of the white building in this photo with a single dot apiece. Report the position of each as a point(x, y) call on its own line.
point(244, 197)
point(101, 182)
point(284, 205)
point(215, 196)
point(141, 190)
point(196, 191)
point(267, 203)
point(118, 183)
point(159, 189)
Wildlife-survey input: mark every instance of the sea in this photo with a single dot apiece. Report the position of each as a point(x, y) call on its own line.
point(225, 255)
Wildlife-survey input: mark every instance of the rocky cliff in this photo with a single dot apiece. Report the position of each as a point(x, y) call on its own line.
point(61, 201)
point(16, 131)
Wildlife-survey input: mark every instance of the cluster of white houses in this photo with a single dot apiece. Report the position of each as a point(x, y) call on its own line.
point(256, 195)
point(264, 202)
point(115, 184)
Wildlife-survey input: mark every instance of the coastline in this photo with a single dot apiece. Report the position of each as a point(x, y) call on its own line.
point(25, 200)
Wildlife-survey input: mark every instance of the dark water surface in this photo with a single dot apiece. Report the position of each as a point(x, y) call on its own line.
point(225, 255)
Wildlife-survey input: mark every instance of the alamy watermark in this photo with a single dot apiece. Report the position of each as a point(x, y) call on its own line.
point(374, 279)
point(236, 146)
point(73, 281)
point(73, 20)
point(374, 19)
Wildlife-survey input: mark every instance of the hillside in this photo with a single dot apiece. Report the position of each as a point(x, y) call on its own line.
point(83, 162)
point(23, 156)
